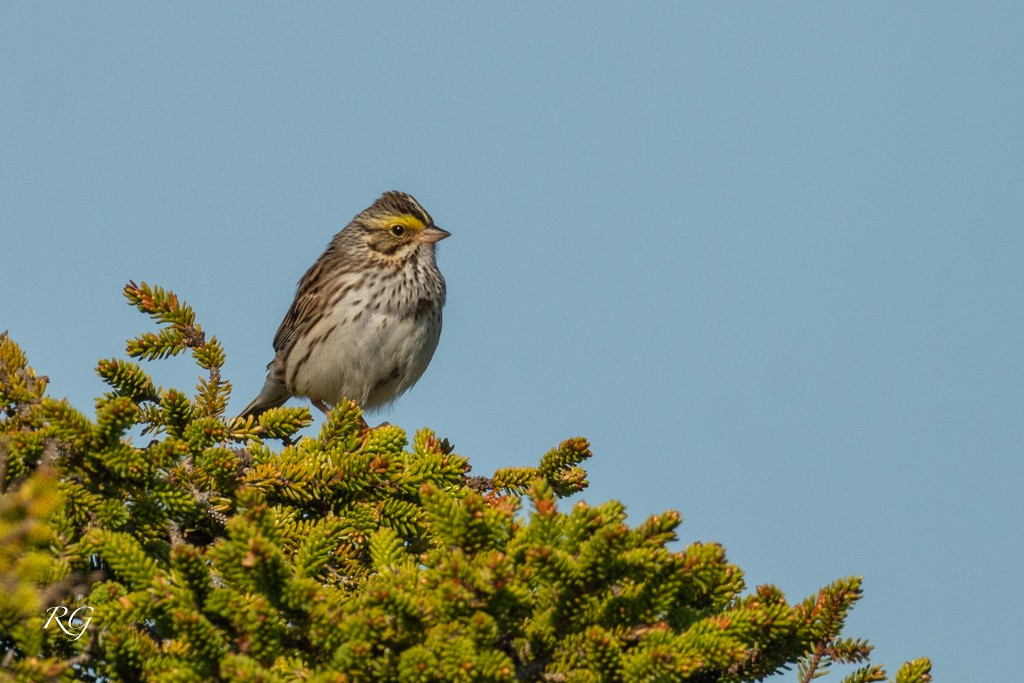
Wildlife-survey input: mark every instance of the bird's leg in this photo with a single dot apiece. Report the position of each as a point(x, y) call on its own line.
point(326, 410)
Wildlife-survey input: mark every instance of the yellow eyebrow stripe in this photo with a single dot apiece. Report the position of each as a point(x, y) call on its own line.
point(404, 219)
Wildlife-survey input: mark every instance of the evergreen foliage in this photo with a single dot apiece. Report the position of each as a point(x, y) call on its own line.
point(353, 555)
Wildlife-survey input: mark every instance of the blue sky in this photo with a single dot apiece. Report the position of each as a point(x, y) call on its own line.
point(767, 257)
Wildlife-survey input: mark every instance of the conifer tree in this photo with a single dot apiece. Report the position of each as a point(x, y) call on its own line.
point(220, 549)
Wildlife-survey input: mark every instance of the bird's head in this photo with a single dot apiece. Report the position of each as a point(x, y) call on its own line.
point(396, 226)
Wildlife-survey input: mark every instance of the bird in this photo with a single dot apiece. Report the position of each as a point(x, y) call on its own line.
point(366, 318)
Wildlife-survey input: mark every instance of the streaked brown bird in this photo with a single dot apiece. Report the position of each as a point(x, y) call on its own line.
point(366, 317)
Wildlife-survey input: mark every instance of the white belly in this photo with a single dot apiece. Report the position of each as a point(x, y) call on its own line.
point(371, 360)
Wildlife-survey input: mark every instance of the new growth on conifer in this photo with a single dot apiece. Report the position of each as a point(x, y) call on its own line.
point(191, 546)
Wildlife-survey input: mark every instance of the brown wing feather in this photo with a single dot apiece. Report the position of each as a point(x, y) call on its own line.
point(303, 309)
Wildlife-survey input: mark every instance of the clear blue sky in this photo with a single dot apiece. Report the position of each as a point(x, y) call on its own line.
point(766, 256)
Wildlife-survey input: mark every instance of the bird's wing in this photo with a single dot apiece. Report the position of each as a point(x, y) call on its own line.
point(304, 308)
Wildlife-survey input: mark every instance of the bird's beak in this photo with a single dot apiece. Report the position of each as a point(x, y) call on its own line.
point(431, 235)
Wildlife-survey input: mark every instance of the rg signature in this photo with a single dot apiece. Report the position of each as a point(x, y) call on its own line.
point(72, 623)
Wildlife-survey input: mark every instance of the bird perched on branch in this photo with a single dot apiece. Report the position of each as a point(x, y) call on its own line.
point(366, 316)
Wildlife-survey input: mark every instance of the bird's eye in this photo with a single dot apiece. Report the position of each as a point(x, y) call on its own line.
point(397, 230)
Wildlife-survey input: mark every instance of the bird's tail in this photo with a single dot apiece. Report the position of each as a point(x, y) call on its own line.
point(272, 395)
